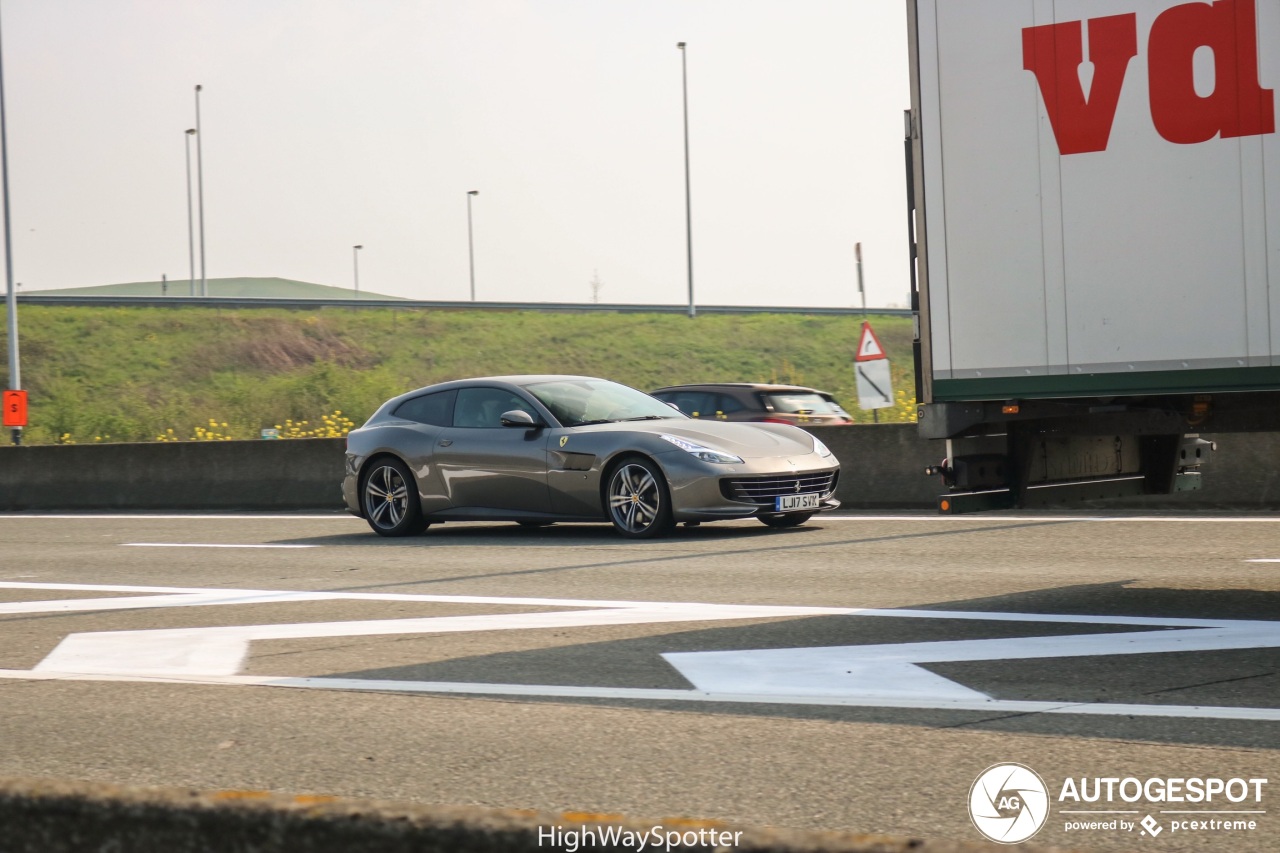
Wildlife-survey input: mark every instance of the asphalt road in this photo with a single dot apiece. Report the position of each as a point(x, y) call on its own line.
point(857, 673)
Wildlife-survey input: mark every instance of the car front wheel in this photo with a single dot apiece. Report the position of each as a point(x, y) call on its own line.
point(390, 499)
point(639, 501)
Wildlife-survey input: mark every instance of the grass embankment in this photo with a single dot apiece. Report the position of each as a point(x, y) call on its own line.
point(139, 374)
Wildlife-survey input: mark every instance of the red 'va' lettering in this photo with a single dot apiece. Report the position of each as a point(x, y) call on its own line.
point(1238, 105)
point(1054, 52)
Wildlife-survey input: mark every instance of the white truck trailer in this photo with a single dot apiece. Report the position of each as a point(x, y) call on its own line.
point(1095, 211)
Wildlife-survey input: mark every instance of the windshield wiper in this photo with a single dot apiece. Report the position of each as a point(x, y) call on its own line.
point(647, 418)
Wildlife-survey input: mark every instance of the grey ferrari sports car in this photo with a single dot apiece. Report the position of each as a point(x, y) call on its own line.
point(541, 449)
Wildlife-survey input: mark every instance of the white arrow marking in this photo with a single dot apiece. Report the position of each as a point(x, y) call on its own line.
point(883, 675)
point(221, 651)
point(892, 670)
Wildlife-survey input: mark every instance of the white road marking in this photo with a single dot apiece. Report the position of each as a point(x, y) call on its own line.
point(1002, 706)
point(200, 545)
point(882, 675)
point(249, 596)
point(1263, 561)
point(954, 519)
point(1181, 519)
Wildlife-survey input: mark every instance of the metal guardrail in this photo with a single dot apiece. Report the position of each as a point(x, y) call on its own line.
point(561, 307)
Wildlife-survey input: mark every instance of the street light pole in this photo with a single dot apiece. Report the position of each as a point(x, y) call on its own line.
point(11, 295)
point(204, 283)
point(191, 239)
point(355, 257)
point(857, 253)
point(471, 249)
point(688, 204)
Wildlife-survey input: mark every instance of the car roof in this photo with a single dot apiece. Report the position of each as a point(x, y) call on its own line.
point(517, 380)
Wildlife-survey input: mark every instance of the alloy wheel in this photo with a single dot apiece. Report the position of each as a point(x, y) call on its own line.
point(637, 501)
point(390, 499)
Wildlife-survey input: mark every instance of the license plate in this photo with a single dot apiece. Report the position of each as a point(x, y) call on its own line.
point(791, 503)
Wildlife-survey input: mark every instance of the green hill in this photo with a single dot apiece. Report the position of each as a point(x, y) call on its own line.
point(135, 373)
point(241, 288)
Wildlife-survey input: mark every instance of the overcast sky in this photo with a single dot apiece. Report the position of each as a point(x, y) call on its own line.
point(331, 123)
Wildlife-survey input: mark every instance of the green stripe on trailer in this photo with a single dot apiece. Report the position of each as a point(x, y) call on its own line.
point(1207, 381)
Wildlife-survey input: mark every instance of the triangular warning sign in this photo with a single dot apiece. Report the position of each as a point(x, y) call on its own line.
point(869, 348)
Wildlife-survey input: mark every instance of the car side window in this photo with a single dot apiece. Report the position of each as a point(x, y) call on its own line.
point(435, 409)
point(482, 408)
point(728, 405)
point(695, 404)
point(799, 403)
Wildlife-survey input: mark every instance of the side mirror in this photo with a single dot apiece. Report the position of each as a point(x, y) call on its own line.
point(518, 418)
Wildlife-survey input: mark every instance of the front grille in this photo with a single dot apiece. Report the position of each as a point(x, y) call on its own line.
point(762, 490)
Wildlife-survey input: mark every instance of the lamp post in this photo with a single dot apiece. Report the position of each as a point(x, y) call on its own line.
point(355, 258)
point(11, 295)
point(471, 249)
point(204, 283)
point(191, 239)
point(688, 204)
point(857, 253)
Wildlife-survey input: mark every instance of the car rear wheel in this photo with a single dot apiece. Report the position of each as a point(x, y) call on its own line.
point(390, 499)
point(790, 519)
point(639, 502)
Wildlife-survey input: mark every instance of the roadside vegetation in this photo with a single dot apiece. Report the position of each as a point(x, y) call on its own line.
point(127, 374)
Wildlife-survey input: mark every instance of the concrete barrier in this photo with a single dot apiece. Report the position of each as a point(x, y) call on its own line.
point(188, 475)
point(882, 467)
point(70, 817)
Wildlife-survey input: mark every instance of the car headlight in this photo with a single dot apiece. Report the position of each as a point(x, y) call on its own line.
point(706, 454)
point(820, 448)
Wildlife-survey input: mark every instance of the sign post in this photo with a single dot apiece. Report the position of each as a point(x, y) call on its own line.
point(11, 295)
point(871, 367)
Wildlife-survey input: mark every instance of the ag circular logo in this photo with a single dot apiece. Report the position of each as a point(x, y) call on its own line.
point(1008, 803)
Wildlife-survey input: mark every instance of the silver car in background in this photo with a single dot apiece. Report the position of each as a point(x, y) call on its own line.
point(541, 449)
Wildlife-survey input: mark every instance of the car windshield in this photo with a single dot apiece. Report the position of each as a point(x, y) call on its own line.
point(801, 403)
point(575, 402)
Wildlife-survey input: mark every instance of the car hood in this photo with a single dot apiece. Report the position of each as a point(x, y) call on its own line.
point(747, 440)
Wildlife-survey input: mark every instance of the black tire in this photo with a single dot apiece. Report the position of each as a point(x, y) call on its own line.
point(389, 498)
point(637, 500)
point(790, 519)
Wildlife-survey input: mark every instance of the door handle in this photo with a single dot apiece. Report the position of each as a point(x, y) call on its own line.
point(445, 442)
